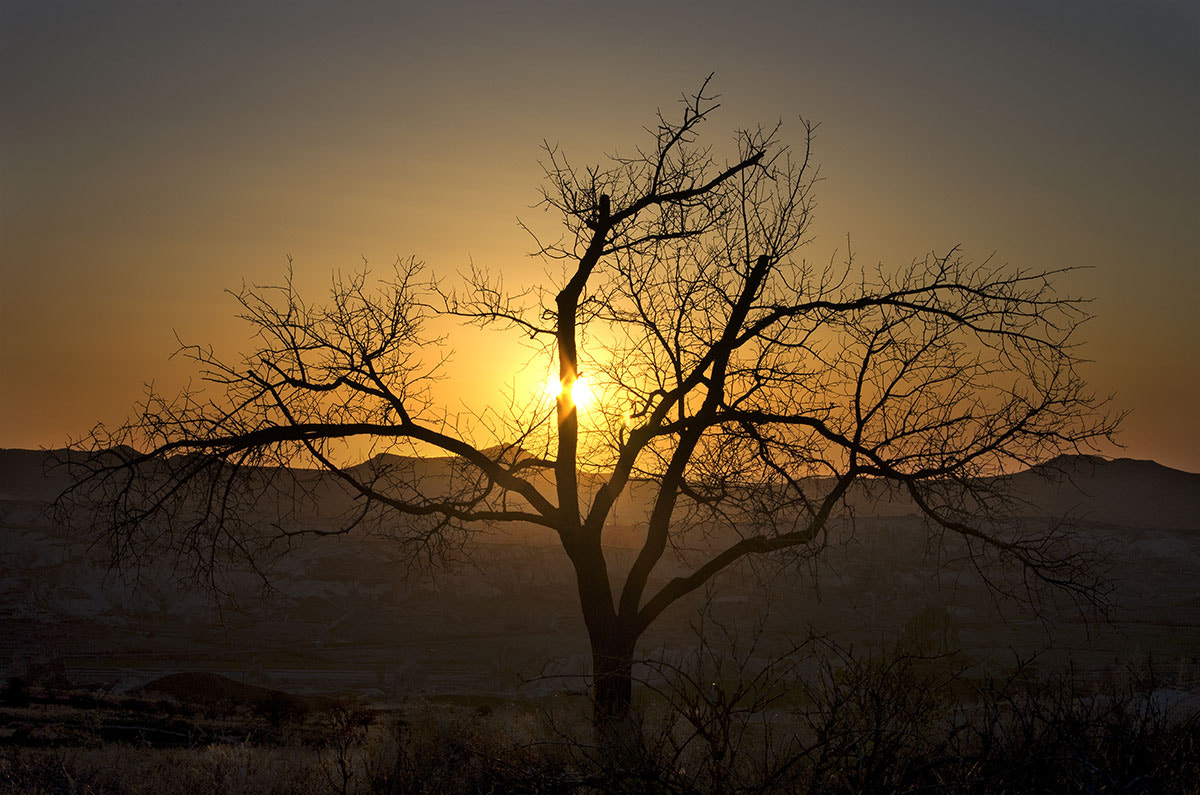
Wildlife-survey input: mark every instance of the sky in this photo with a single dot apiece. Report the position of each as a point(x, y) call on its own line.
point(153, 155)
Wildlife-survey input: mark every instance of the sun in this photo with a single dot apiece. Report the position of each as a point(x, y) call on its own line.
point(581, 391)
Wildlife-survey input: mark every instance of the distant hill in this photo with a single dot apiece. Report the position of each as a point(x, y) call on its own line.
point(27, 475)
point(1122, 492)
point(1125, 492)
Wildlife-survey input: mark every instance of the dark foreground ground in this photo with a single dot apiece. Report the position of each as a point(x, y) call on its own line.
point(821, 720)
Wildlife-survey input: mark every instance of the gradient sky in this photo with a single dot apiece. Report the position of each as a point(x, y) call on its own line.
point(153, 154)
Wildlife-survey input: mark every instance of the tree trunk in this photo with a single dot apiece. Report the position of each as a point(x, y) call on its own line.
point(618, 737)
point(612, 639)
point(612, 678)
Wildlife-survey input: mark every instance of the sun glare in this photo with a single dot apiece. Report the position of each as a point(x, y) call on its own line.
point(581, 391)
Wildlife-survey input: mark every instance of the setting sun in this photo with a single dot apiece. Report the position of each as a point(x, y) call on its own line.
point(581, 391)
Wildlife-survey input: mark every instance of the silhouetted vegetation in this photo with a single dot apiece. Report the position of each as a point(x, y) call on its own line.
point(818, 720)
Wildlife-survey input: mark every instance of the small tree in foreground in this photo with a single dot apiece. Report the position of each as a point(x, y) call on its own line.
point(749, 392)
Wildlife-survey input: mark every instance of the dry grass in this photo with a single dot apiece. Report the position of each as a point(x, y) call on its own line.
point(850, 725)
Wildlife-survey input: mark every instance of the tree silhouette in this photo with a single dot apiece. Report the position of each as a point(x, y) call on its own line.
point(749, 391)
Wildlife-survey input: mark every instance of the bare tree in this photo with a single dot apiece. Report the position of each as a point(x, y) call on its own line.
point(748, 389)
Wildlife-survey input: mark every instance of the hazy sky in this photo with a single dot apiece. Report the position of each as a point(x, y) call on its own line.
point(153, 154)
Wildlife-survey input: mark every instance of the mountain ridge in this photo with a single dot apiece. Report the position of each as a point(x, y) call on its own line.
point(1114, 491)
